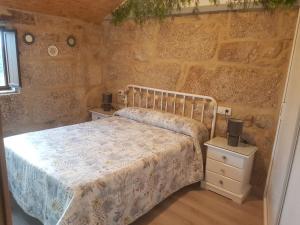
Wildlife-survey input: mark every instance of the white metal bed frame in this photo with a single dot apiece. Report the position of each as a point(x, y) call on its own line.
point(161, 100)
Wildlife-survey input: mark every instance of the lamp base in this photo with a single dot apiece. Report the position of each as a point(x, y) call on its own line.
point(107, 107)
point(233, 140)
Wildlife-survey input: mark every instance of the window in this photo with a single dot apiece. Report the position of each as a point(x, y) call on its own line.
point(2, 77)
point(9, 61)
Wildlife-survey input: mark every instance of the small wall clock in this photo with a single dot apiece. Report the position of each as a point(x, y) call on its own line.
point(28, 38)
point(71, 41)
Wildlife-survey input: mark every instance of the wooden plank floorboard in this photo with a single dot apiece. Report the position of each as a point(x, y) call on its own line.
point(193, 206)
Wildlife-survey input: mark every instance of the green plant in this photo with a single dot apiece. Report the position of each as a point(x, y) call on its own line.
point(141, 10)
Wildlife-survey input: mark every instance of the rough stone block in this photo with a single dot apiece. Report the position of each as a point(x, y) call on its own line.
point(15, 16)
point(187, 41)
point(271, 53)
point(255, 87)
point(94, 74)
point(93, 97)
point(47, 74)
point(118, 75)
point(254, 24)
point(53, 106)
point(129, 32)
point(58, 24)
point(288, 23)
point(130, 41)
point(14, 110)
point(158, 75)
point(264, 121)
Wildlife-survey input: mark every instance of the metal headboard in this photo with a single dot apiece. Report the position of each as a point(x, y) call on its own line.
point(172, 102)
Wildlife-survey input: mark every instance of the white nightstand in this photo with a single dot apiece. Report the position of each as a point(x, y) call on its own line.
point(228, 169)
point(99, 113)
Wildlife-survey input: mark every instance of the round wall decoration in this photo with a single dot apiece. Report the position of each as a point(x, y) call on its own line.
point(28, 38)
point(52, 50)
point(71, 41)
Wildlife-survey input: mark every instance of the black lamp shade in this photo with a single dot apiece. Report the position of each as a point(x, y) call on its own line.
point(107, 98)
point(107, 101)
point(235, 130)
point(235, 127)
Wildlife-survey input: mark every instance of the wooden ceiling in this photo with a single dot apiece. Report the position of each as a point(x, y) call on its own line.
point(88, 10)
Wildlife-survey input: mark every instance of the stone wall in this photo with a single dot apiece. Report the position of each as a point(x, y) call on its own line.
point(56, 90)
point(239, 58)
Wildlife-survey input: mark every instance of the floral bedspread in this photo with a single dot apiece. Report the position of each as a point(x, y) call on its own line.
point(104, 172)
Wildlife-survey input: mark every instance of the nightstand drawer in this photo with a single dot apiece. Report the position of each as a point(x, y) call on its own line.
point(225, 157)
point(224, 182)
point(224, 170)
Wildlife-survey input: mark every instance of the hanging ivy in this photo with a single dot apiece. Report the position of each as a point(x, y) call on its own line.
point(142, 10)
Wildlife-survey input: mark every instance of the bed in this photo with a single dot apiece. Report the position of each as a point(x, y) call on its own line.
point(114, 170)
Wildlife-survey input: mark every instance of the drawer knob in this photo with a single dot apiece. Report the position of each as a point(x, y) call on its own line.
point(224, 157)
point(222, 171)
point(221, 182)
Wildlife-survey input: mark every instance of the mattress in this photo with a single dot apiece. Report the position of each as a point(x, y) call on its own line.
point(104, 172)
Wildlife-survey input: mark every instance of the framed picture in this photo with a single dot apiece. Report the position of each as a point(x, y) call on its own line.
point(28, 38)
point(71, 41)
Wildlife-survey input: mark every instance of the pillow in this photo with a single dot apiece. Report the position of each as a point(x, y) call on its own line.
point(176, 123)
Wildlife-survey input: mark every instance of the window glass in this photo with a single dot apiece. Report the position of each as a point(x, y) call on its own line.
point(9, 62)
point(2, 77)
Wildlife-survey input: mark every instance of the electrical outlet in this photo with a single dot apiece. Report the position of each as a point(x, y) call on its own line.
point(224, 110)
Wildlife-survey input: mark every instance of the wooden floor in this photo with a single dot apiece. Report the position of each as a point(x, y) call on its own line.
point(192, 206)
